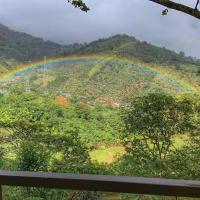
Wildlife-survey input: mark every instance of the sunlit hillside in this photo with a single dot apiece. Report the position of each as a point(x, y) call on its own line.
point(105, 81)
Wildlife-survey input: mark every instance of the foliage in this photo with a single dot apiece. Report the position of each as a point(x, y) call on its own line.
point(183, 7)
point(32, 156)
point(38, 134)
point(150, 122)
point(84, 108)
point(80, 4)
point(124, 45)
point(72, 157)
point(115, 81)
point(184, 163)
point(19, 48)
point(193, 11)
point(153, 119)
point(42, 136)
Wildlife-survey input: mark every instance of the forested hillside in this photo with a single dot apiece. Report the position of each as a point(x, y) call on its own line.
point(22, 47)
point(125, 45)
point(16, 48)
point(116, 106)
point(155, 135)
point(109, 82)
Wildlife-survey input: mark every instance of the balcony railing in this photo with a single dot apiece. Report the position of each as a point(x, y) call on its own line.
point(119, 184)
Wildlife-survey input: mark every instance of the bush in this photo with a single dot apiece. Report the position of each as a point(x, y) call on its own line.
point(32, 157)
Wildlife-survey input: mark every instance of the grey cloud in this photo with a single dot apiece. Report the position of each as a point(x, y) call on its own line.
point(60, 22)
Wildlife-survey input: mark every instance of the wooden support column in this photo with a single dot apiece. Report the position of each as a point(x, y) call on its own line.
point(1, 194)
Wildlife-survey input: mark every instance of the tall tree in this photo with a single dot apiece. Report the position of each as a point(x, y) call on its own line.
point(150, 124)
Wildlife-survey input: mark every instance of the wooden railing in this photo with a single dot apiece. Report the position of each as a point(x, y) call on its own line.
point(119, 184)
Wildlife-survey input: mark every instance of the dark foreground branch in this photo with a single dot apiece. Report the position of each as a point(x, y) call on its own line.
point(180, 7)
point(79, 4)
point(167, 3)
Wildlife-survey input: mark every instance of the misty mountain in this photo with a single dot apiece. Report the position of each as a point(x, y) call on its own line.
point(16, 48)
point(124, 45)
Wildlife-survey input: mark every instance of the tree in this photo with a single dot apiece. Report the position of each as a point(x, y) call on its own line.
point(32, 156)
point(29, 117)
point(184, 162)
point(193, 11)
point(150, 124)
point(73, 156)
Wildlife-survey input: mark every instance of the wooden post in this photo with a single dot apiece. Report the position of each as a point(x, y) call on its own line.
point(1, 195)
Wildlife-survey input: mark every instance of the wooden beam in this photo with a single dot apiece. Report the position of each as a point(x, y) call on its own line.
point(87, 182)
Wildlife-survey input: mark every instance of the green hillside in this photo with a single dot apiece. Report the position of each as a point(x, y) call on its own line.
point(17, 47)
point(109, 82)
point(106, 81)
point(23, 47)
point(125, 45)
point(130, 108)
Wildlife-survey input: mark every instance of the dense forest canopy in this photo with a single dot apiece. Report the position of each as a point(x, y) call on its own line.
point(39, 134)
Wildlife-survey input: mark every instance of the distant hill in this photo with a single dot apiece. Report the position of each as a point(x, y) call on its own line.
point(17, 47)
point(108, 81)
point(125, 45)
point(22, 47)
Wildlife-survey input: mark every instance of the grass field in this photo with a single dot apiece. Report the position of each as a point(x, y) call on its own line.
point(107, 155)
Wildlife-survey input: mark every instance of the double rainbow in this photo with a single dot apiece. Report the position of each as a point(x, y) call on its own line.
point(168, 74)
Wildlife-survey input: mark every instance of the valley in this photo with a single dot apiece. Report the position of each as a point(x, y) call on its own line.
point(115, 106)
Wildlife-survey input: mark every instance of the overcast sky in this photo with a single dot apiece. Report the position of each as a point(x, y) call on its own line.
point(58, 21)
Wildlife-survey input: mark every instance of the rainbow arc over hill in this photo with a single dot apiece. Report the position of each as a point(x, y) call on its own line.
point(55, 61)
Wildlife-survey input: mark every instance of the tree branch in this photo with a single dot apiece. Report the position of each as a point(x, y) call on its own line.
point(167, 3)
point(197, 4)
point(79, 4)
point(180, 7)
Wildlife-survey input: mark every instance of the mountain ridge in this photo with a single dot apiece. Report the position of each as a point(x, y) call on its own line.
point(17, 47)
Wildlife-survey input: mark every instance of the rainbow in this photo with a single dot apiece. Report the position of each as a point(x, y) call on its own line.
point(160, 70)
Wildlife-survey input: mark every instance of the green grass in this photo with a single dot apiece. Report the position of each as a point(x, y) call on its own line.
point(180, 140)
point(95, 70)
point(106, 155)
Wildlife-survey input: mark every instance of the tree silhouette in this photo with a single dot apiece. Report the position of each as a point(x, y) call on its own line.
point(79, 4)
